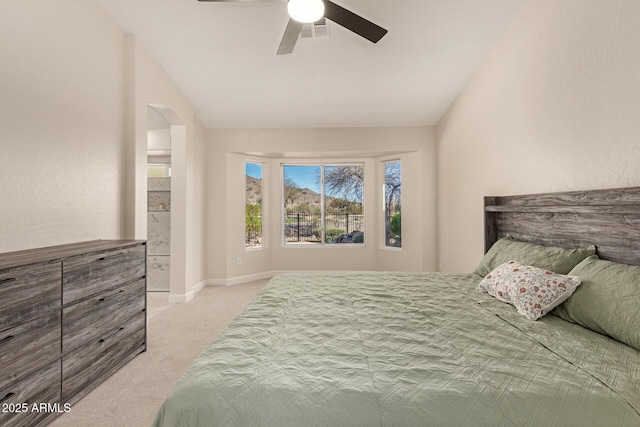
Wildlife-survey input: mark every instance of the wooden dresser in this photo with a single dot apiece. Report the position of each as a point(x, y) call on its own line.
point(70, 316)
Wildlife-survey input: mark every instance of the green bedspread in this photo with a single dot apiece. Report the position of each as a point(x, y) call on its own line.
point(402, 349)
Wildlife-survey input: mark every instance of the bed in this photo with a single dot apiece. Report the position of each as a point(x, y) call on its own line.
point(430, 349)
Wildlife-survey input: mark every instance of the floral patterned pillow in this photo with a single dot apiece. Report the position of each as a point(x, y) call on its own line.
point(533, 291)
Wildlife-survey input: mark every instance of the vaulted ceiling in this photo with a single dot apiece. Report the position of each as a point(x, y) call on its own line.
point(223, 57)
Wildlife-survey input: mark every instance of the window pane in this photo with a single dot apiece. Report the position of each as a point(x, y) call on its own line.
point(392, 200)
point(253, 205)
point(344, 214)
point(302, 204)
point(323, 204)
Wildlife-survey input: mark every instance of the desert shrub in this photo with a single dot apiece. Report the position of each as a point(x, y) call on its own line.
point(396, 224)
point(394, 236)
point(253, 221)
point(331, 233)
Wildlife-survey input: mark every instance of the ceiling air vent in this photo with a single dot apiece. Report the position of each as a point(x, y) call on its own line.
point(319, 28)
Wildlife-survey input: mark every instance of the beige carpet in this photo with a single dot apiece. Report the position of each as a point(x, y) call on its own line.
point(177, 334)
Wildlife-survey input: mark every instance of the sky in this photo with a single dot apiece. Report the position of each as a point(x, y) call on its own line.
point(254, 170)
point(304, 176)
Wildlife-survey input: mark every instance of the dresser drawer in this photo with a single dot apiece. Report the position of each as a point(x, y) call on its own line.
point(89, 365)
point(27, 292)
point(84, 275)
point(29, 346)
point(41, 387)
point(94, 317)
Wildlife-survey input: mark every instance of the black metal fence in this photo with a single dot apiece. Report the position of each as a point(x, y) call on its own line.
point(307, 227)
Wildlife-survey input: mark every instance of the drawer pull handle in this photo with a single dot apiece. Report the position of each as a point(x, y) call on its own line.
point(7, 397)
point(120, 329)
point(10, 279)
point(108, 257)
point(111, 296)
point(7, 339)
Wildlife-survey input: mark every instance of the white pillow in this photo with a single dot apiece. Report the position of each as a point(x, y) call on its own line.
point(533, 291)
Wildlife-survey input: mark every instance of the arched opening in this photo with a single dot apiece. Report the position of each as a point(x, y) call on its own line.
point(165, 209)
point(158, 202)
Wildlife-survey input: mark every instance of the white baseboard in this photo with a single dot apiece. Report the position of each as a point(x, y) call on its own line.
point(241, 279)
point(182, 298)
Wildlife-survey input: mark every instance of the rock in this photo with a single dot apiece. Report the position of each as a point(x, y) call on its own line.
point(353, 237)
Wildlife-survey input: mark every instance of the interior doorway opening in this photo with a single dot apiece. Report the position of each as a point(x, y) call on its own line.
point(158, 202)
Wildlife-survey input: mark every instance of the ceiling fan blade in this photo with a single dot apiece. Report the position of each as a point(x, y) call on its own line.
point(290, 37)
point(353, 22)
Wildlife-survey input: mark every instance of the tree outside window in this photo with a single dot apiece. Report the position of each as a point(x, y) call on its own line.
point(253, 205)
point(392, 206)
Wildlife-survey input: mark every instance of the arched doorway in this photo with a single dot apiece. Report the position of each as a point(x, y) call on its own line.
point(158, 202)
point(176, 220)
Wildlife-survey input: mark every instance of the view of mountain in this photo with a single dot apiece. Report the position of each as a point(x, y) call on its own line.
point(254, 190)
point(296, 196)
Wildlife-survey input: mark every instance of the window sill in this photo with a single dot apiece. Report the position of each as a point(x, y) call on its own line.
point(319, 246)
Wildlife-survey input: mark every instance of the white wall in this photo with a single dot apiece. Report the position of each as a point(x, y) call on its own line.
point(159, 139)
point(216, 212)
point(555, 107)
point(73, 134)
point(61, 124)
point(227, 151)
point(149, 85)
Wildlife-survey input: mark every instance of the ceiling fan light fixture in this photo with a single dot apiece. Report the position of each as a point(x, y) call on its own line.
point(306, 11)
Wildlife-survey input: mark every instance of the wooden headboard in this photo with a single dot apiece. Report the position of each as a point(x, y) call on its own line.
point(608, 219)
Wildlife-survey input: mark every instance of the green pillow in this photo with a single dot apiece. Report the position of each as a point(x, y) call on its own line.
point(607, 301)
point(558, 260)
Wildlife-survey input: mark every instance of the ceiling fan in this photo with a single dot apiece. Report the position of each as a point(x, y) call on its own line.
point(308, 11)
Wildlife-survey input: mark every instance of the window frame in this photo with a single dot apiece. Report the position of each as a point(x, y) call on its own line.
point(383, 205)
point(264, 211)
point(321, 163)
